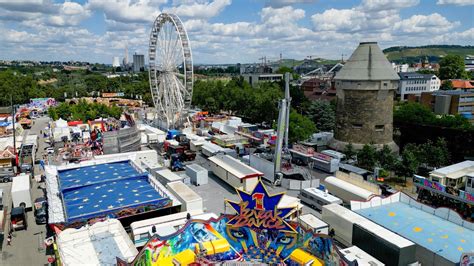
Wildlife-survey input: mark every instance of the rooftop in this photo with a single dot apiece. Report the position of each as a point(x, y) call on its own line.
point(430, 231)
point(466, 166)
point(234, 166)
point(367, 62)
point(454, 92)
point(100, 189)
point(100, 243)
point(414, 75)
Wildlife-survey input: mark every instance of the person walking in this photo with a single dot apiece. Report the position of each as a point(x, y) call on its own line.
point(9, 239)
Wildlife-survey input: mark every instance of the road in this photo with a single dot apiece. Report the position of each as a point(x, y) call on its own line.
point(216, 191)
point(27, 246)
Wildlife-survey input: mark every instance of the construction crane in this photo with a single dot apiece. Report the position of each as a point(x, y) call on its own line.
point(282, 129)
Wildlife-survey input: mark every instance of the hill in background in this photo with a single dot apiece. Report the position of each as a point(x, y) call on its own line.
point(405, 54)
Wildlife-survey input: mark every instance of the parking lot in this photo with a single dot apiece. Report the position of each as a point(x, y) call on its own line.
point(27, 247)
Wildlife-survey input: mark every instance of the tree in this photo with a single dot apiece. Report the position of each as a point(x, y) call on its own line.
point(323, 115)
point(447, 85)
point(350, 152)
point(385, 158)
point(300, 127)
point(367, 157)
point(434, 154)
point(452, 67)
point(409, 163)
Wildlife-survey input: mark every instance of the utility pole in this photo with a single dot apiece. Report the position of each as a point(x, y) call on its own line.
point(13, 123)
point(288, 105)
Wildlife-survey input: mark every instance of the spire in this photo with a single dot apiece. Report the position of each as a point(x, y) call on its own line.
point(367, 63)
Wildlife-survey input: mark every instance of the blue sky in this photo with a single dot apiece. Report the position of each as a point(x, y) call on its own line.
point(228, 31)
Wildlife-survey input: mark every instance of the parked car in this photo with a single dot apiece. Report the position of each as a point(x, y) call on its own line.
point(18, 218)
point(387, 190)
point(41, 210)
point(49, 150)
point(6, 174)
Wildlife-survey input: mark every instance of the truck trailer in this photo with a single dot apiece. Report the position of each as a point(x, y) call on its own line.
point(351, 228)
point(346, 191)
point(190, 200)
point(20, 192)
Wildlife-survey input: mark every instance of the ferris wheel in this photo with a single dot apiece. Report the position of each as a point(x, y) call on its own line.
point(170, 69)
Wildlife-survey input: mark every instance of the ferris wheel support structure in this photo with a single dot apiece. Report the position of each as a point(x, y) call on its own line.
point(170, 70)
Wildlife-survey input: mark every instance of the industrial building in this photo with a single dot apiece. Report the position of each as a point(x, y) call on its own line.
point(138, 62)
point(365, 89)
point(450, 102)
point(255, 78)
point(441, 235)
point(412, 83)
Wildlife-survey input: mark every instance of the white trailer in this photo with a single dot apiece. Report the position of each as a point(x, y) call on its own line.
point(346, 191)
point(317, 198)
point(20, 191)
point(166, 176)
point(313, 224)
point(197, 174)
point(190, 200)
point(351, 228)
point(32, 139)
point(234, 172)
point(140, 229)
point(354, 253)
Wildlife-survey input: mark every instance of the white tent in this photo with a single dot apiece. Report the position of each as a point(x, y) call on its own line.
point(99, 244)
point(60, 123)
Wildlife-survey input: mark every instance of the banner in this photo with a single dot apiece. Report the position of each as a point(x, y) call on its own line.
point(112, 94)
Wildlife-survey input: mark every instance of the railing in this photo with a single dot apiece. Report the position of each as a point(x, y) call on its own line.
point(437, 187)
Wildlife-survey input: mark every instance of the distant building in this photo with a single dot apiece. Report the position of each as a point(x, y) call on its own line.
point(400, 68)
point(116, 62)
point(416, 83)
point(462, 84)
point(450, 102)
point(254, 79)
point(319, 89)
point(138, 62)
point(365, 89)
point(469, 63)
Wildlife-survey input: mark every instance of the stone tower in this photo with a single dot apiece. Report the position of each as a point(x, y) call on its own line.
point(365, 89)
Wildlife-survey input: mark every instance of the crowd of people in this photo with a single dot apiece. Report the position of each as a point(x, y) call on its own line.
point(435, 200)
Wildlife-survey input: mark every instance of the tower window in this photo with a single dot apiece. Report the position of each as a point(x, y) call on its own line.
point(379, 127)
point(356, 125)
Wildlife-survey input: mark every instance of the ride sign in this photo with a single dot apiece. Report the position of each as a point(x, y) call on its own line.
point(258, 210)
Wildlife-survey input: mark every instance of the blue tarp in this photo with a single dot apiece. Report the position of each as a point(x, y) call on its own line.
point(105, 189)
point(432, 232)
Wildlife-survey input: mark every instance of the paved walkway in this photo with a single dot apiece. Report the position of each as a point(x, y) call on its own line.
point(27, 246)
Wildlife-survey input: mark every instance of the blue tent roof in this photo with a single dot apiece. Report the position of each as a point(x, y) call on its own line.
point(105, 189)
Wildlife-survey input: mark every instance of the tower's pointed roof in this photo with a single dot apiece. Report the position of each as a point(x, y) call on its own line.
point(367, 63)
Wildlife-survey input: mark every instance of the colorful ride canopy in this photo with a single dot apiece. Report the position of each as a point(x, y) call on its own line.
point(259, 233)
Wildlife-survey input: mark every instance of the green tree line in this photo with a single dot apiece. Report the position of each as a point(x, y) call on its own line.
point(83, 111)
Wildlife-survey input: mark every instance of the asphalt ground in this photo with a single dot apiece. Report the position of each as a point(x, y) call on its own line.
point(27, 247)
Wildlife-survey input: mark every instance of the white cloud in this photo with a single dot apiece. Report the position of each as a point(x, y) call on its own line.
point(377, 5)
point(339, 20)
point(34, 12)
point(281, 3)
point(199, 9)
point(281, 16)
point(421, 24)
point(455, 2)
point(137, 11)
